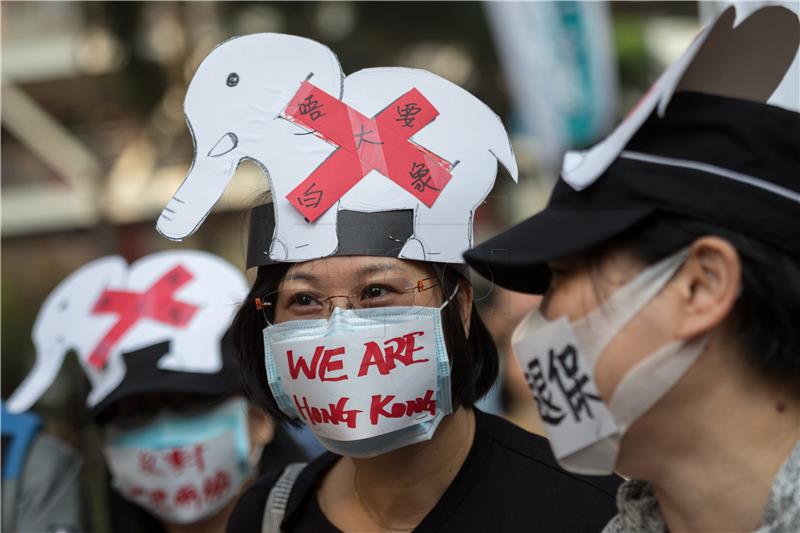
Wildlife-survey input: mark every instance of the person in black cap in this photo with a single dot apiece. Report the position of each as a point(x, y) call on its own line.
point(180, 440)
point(667, 344)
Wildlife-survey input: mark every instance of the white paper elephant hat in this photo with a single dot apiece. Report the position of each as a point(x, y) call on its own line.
point(385, 161)
point(154, 326)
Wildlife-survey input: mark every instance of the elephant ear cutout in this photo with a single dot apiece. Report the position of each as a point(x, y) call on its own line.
point(755, 60)
point(748, 61)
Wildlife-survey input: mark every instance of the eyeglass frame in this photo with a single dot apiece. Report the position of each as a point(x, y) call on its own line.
point(261, 305)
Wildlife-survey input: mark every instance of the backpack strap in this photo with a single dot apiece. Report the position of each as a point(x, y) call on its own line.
point(278, 498)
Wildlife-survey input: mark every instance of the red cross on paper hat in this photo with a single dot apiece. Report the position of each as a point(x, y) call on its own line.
point(410, 151)
point(180, 302)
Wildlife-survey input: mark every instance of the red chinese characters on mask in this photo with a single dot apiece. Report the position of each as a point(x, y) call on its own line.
point(217, 485)
point(148, 464)
point(158, 497)
point(178, 459)
point(172, 461)
point(187, 494)
point(205, 491)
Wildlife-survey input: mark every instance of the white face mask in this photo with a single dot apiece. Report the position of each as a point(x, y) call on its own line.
point(559, 360)
point(181, 468)
point(365, 381)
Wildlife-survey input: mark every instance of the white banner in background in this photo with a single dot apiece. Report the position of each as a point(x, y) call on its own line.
point(560, 64)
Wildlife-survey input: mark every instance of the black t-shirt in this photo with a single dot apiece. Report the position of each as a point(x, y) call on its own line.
point(509, 482)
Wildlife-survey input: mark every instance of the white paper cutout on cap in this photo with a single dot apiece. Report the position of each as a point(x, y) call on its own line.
point(715, 63)
point(237, 107)
point(105, 309)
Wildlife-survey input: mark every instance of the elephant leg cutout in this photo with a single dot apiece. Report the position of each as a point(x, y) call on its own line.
point(300, 241)
point(278, 251)
point(434, 238)
point(413, 249)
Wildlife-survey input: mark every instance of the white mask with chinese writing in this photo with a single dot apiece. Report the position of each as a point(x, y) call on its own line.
point(182, 468)
point(559, 359)
point(366, 381)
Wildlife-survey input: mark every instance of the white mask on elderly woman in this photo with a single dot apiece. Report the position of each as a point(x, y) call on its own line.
point(559, 358)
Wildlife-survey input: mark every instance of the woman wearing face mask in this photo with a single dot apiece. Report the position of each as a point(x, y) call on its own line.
point(178, 454)
point(427, 460)
point(179, 439)
point(674, 287)
point(360, 323)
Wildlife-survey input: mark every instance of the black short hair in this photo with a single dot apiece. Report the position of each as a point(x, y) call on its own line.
point(766, 313)
point(473, 357)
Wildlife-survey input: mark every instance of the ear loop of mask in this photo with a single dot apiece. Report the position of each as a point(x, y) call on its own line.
point(599, 327)
point(450, 298)
point(650, 379)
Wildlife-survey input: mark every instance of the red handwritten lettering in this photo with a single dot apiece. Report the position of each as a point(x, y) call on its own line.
point(302, 364)
point(334, 414)
point(215, 486)
point(404, 350)
point(399, 409)
point(397, 349)
point(198, 457)
point(373, 355)
point(331, 366)
point(321, 359)
point(158, 497)
point(187, 494)
point(177, 458)
point(147, 464)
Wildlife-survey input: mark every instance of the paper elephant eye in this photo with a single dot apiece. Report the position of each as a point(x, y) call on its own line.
point(233, 79)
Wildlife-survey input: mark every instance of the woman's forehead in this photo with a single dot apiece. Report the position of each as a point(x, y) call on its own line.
point(353, 267)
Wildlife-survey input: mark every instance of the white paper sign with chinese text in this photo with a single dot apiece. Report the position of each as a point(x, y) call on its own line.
point(563, 387)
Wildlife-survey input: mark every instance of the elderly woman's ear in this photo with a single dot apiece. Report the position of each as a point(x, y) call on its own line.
point(709, 285)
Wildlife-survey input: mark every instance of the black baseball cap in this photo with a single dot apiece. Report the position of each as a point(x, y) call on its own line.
point(143, 376)
point(731, 162)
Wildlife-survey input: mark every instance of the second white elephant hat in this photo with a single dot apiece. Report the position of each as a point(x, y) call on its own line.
point(385, 161)
point(154, 326)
